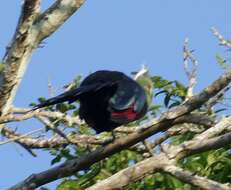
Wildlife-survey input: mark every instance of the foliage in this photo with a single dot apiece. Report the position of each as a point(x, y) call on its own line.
point(222, 62)
point(2, 66)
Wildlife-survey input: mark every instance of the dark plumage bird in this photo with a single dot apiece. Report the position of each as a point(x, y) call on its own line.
point(109, 99)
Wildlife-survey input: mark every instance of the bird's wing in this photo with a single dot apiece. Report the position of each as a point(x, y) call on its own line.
point(74, 94)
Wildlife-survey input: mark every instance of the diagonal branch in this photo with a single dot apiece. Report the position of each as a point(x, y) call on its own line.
point(195, 180)
point(199, 141)
point(221, 39)
point(132, 173)
point(157, 163)
point(162, 162)
point(55, 16)
point(18, 54)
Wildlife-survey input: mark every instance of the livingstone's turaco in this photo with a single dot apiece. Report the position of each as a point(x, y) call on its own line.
point(109, 99)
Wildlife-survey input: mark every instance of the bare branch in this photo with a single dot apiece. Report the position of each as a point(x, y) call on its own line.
point(51, 125)
point(18, 54)
point(55, 16)
point(36, 143)
point(157, 163)
point(198, 181)
point(214, 100)
point(24, 115)
point(187, 55)
point(216, 130)
point(221, 39)
point(175, 130)
point(203, 141)
point(132, 173)
point(210, 144)
point(16, 138)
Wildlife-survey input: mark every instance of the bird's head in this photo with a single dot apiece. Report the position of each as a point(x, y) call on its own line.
point(144, 79)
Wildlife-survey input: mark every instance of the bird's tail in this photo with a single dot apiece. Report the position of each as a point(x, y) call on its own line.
point(75, 94)
point(69, 96)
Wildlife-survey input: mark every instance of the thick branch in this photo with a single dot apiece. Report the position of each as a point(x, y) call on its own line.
point(132, 173)
point(210, 144)
point(55, 16)
point(204, 140)
point(157, 163)
point(195, 180)
point(18, 54)
point(166, 163)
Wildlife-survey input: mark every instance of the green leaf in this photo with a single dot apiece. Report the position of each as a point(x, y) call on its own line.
point(219, 59)
point(167, 99)
point(43, 188)
point(222, 62)
point(56, 159)
point(220, 110)
point(32, 104)
point(41, 99)
point(69, 185)
point(2, 66)
point(160, 92)
point(63, 107)
point(177, 103)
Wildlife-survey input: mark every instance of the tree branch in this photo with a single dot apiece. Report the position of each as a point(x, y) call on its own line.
point(20, 114)
point(195, 180)
point(18, 54)
point(53, 142)
point(55, 16)
point(166, 162)
point(221, 39)
point(204, 140)
point(187, 55)
point(157, 163)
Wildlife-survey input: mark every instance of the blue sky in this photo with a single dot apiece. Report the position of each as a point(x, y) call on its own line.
point(115, 35)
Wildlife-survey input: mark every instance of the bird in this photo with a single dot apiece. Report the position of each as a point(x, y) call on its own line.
point(109, 99)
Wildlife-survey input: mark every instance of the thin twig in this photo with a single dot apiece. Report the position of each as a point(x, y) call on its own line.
point(222, 40)
point(21, 136)
point(187, 55)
